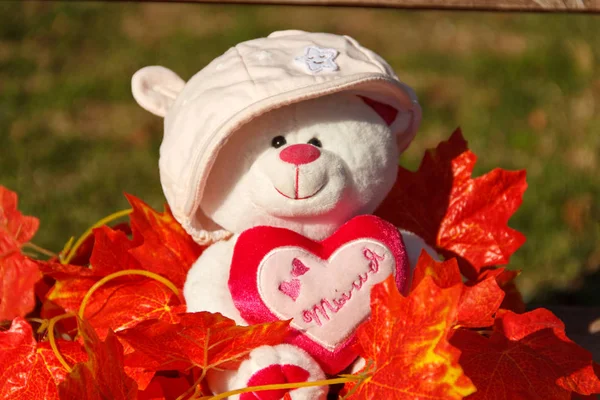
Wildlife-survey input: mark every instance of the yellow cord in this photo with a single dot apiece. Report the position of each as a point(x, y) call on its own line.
point(52, 339)
point(115, 275)
point(67, 259)
point(295, 385)
point(39, 249)
point(86, 299)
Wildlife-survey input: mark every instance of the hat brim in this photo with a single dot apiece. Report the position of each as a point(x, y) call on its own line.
point(394, 92)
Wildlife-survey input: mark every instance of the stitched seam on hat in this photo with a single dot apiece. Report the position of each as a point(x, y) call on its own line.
point(245, 66)
point(374, 61)
point(367, 54)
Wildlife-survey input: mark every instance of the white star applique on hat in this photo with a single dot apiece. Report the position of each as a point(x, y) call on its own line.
point(317, 59)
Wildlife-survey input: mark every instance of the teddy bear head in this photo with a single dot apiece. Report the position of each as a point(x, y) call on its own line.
point(308, 166)
point(297, 130)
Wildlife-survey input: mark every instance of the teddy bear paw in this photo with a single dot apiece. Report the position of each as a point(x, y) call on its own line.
point(279, 364)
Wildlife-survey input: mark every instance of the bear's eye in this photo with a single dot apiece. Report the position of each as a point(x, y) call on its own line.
point(278, 141)
point(315, 142)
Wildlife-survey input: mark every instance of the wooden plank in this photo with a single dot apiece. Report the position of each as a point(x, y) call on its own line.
point(481, 5)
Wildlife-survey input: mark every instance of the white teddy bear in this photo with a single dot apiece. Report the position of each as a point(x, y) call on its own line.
point(277, 145)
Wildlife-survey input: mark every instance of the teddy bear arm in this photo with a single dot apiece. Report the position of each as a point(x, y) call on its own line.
point(414, 245)
point(206, 287)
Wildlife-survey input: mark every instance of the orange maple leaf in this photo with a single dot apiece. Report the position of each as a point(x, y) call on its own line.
point(15, 228)
point(458, 215)
point(159, 245)
point(406, 347)
point(479, 300)
point(528, 356)
point(513, 300)
point(18, 274)
point(163, 387)
point(165, 247)
point(30, 370)
point(102, 376)
point(120, 305)
point(202, 339)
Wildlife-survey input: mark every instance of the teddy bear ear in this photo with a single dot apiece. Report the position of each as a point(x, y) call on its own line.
point(155, 89)
point(403, 122)
point(386, 112)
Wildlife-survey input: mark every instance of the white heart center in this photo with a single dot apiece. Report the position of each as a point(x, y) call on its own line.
point(326, 299)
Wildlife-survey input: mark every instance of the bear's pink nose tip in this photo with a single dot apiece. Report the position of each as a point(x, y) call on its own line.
point(299, 154)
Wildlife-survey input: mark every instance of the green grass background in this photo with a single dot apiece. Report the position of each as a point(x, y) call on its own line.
point(525, 88)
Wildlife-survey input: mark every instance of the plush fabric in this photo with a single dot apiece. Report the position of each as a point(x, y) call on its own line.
point(323, 287)
point(252, 185)
point(312, 191)
point(156, 88)
point(275, 373)
point(355, 169)
point(249, 80)
point(268, 365)
point(291, 137)
point(299, 154)
point(386, 112)
point(206, 287)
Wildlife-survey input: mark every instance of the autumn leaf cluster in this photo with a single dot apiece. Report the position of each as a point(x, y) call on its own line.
point(105, 317)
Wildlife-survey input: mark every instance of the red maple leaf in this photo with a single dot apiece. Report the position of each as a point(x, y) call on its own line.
point(513, 300)
point(159, 245)
point(406, 347)
point(18, 274)
point(166, 248)
point(111, 252)
point(458, 215)
point(163, 387)
point(118, 306)
point(528, 356)
point(202, 339)
point(576, 396)
point(84, 252)
point(15, 228)
point(120, 303)
point(103, 375)
point(479, 300)
point(30, 370)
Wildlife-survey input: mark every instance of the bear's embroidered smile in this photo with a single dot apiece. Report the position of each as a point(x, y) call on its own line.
point(300, 156)
point(296, 194)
